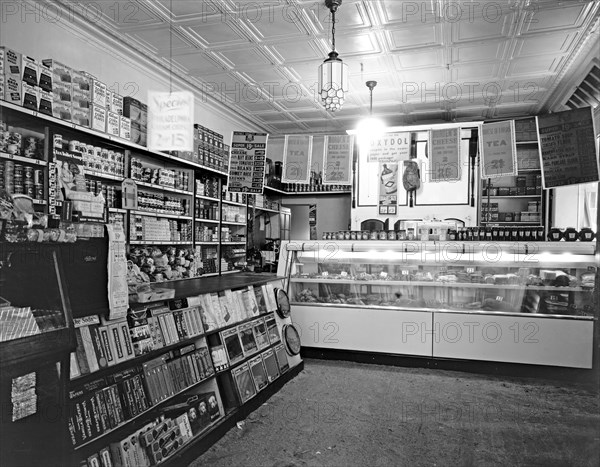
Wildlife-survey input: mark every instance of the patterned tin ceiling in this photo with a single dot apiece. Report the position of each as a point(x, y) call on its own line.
point(434, 61)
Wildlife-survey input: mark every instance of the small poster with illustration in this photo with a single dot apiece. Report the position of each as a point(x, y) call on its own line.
point(388, 188)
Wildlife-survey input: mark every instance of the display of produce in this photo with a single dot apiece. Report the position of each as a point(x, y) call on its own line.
point(158, 264)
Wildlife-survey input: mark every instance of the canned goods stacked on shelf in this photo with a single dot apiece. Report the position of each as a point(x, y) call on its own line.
point(169, 178)
point(161, 204)
point(17, 178)
point(95, 158)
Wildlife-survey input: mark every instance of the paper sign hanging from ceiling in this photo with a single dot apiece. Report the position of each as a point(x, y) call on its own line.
point(444, 159)
point(297, 152)
point(390, 147)
point(498, 149)
point(247, 162)
point(568, 148)
point(337, 160)
point(171, 121)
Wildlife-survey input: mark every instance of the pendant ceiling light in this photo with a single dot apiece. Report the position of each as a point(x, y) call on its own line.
point(370, 128)
point(333, 73)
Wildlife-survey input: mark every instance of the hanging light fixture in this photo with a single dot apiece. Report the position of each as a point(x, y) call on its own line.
point(369, 128)
point(333, 73)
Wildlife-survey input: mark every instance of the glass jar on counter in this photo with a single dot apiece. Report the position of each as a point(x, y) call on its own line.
point(401, 234)
point(353, 235)
point(365, 235)
point(555, 234)
point(374, 235)
point(410, 235)
point(347, 235)
point(382, 235)
point(391, 235)
point(586, 234)
point(571, 234)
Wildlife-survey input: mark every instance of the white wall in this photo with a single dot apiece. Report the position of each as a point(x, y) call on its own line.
point(64, 38)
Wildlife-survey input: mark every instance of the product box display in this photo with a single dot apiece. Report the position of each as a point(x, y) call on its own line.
point(244, 382)
point(98, 118)
point(115, 103)
point(259, 373)
point(233, 346)
point(125, 128)
point(45, 78)
point(45, 102)
point(99, 93)
point(138, 134)
point(10, 62)
point(81, 116)
point(30, 97)
point(132, 108)
point(113, 124)
point(13, 89)
point(61, 73)
point(29, 71)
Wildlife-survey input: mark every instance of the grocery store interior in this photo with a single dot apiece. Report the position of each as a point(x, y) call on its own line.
point(299, 233)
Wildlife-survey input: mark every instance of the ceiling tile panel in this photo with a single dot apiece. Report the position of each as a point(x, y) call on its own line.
point(559, 42)
point(475, 71)
point(541, 64)
point(480, 51)
point(486, 28)
point(406, 38)
point(160, 38)
point(425, 58)
point(297, 51)
point(242, 57)
point(216, 34)
point(568, 15)
point(197, 63)
point(183, 9)
point(356, 44)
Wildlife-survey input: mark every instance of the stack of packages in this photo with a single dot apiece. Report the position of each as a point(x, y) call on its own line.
point(53, 88)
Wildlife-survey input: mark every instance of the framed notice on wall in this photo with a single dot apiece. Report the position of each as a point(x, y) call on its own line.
point(498, 149)
point(171, 121)
point(337, 160)
point(297, 152)
point(388, 188)
point(247, 162)
point(444, 159)
point(568, 148)
point(390, 147)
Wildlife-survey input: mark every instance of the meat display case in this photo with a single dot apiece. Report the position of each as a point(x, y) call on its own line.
point(534, 303)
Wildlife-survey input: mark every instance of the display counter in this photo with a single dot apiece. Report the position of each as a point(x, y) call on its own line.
point(533, 303)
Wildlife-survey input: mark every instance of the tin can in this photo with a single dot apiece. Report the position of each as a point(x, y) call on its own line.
point(67, 210)
point(18, 170)
point(30, 190)
point(57, 141)
point(28, 173)
point(39, 191)
point(74, 145)
point(38, 176)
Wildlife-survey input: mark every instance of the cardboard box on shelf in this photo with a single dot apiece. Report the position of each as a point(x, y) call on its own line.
point(61, 109)
point(98, 117)
point(81, 80)
point(29, 70)
point(62, 92)
point(138, 134)
point(125, 128)
point(99, 93)
point(132, 108)
point(81, 116)
point(113, 124)
point(45, 78)
point(81, 99)
point(13, 89)
point(30, 97)
point(116, 103)
point(45, 102)
point(61, 73)
point(11, 61)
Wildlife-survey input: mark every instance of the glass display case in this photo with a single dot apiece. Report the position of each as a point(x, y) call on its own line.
point(513, 302)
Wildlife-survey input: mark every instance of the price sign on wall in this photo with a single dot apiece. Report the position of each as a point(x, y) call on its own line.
point(568, 148)
point(498, 149)
point(171, 121)
point(337, 159)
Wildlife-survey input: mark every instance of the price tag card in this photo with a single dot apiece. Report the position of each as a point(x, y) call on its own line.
point(499, 298)
point(405, 272)
point(344, 274)
point(324, 273)
point(383, 274)
point(470, 270)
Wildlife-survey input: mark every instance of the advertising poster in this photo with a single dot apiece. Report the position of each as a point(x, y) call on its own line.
point(568, 148)
point(390, 147)
point(171, 121)
point(247, 162)
point(118, 293)
point(498, 149)
point(297, 152)
point(337, 160)
point(388, 188)
point(445, 155)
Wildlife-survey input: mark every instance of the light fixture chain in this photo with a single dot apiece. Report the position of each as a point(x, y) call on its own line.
point(333, 29)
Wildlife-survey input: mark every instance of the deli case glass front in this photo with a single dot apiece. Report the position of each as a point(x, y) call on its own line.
point(512, 302)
